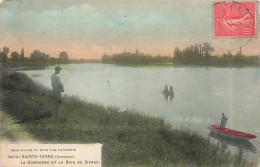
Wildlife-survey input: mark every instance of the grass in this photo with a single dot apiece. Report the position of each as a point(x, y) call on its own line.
point(132, 139)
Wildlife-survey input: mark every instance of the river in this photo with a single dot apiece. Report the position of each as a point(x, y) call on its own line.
point(201, 94)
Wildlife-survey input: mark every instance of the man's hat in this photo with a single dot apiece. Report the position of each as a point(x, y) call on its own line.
point(57, 68)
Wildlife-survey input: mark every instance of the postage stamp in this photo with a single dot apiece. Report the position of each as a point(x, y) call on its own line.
point(234, 19)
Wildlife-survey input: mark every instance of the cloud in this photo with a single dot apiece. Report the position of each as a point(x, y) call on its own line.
point(1, 1)
point(70, 11)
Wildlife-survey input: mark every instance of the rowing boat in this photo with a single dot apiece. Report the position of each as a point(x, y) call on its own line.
point(234, 134)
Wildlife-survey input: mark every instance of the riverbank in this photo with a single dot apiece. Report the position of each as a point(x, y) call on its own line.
point(133, 139)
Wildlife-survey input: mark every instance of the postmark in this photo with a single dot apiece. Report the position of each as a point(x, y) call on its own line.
point(234, 19)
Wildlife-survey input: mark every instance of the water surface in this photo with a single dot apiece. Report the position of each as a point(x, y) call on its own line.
point(201, 94)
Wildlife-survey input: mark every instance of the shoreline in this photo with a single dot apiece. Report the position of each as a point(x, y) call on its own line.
point(186, 65)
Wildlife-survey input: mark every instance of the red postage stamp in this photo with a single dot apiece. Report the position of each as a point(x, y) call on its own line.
point(234, 19)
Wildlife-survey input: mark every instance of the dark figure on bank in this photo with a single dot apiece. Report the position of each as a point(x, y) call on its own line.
point(223, 121)
point(57, 88)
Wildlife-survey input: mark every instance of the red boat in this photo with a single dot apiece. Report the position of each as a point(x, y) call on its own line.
point(225, 132)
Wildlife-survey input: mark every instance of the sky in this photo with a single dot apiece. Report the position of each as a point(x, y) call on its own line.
point(88, 29)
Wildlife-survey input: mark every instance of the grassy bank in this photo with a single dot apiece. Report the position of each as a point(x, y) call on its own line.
point(133, 139)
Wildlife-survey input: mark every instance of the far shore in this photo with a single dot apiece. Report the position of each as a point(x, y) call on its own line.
point(185, 65)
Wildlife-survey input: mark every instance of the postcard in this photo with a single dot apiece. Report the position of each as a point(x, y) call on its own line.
point(115, 83)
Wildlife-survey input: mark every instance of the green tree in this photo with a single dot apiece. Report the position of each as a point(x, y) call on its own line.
point(22, 54)
point(39, 58)
point(177, 58)
point(105, 58)
point(227, 57)
point(3, 56)
point(64, 58)
point(239, 58)
point(15, 56)
point(207, 48)
point(53, 60)
point(5, 49)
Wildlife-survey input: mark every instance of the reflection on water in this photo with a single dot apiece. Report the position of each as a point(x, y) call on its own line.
point(168, 96)
point(241, 144)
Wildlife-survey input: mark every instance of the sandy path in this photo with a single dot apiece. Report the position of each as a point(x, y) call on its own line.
point(12, 131)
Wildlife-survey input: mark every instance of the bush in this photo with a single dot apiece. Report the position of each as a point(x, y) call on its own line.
point(25, 106)
point(18, 82)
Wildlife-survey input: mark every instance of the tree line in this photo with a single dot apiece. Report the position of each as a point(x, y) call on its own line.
point(136, 58)
point(37, 58)
point(198, 54)
point(201, 55)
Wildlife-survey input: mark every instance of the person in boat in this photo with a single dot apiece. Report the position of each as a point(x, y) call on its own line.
point(165, 92)
point(171, 90)
point(57, 87)
point(108, 83)
point(166, 89)
point(171, 93)
point(223, 121)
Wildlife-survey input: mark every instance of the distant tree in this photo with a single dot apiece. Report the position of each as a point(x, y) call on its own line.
point(105, 58)
point(227, 57)
point(196, 48)
point(64, 58)
point(187, 55)
point(53, 60)
point(177, 58)
point(197, 56)
point(39, 58)
point(239, 58)
point(15, 56)
point(254, 60)
point(22, 54)
point(229, 53)
point(3, 56)
point(207, 48)
point(5, 49)
point(176, 50)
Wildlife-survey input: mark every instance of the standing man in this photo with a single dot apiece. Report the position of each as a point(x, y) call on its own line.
point(57, 87)
point(223, 121)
